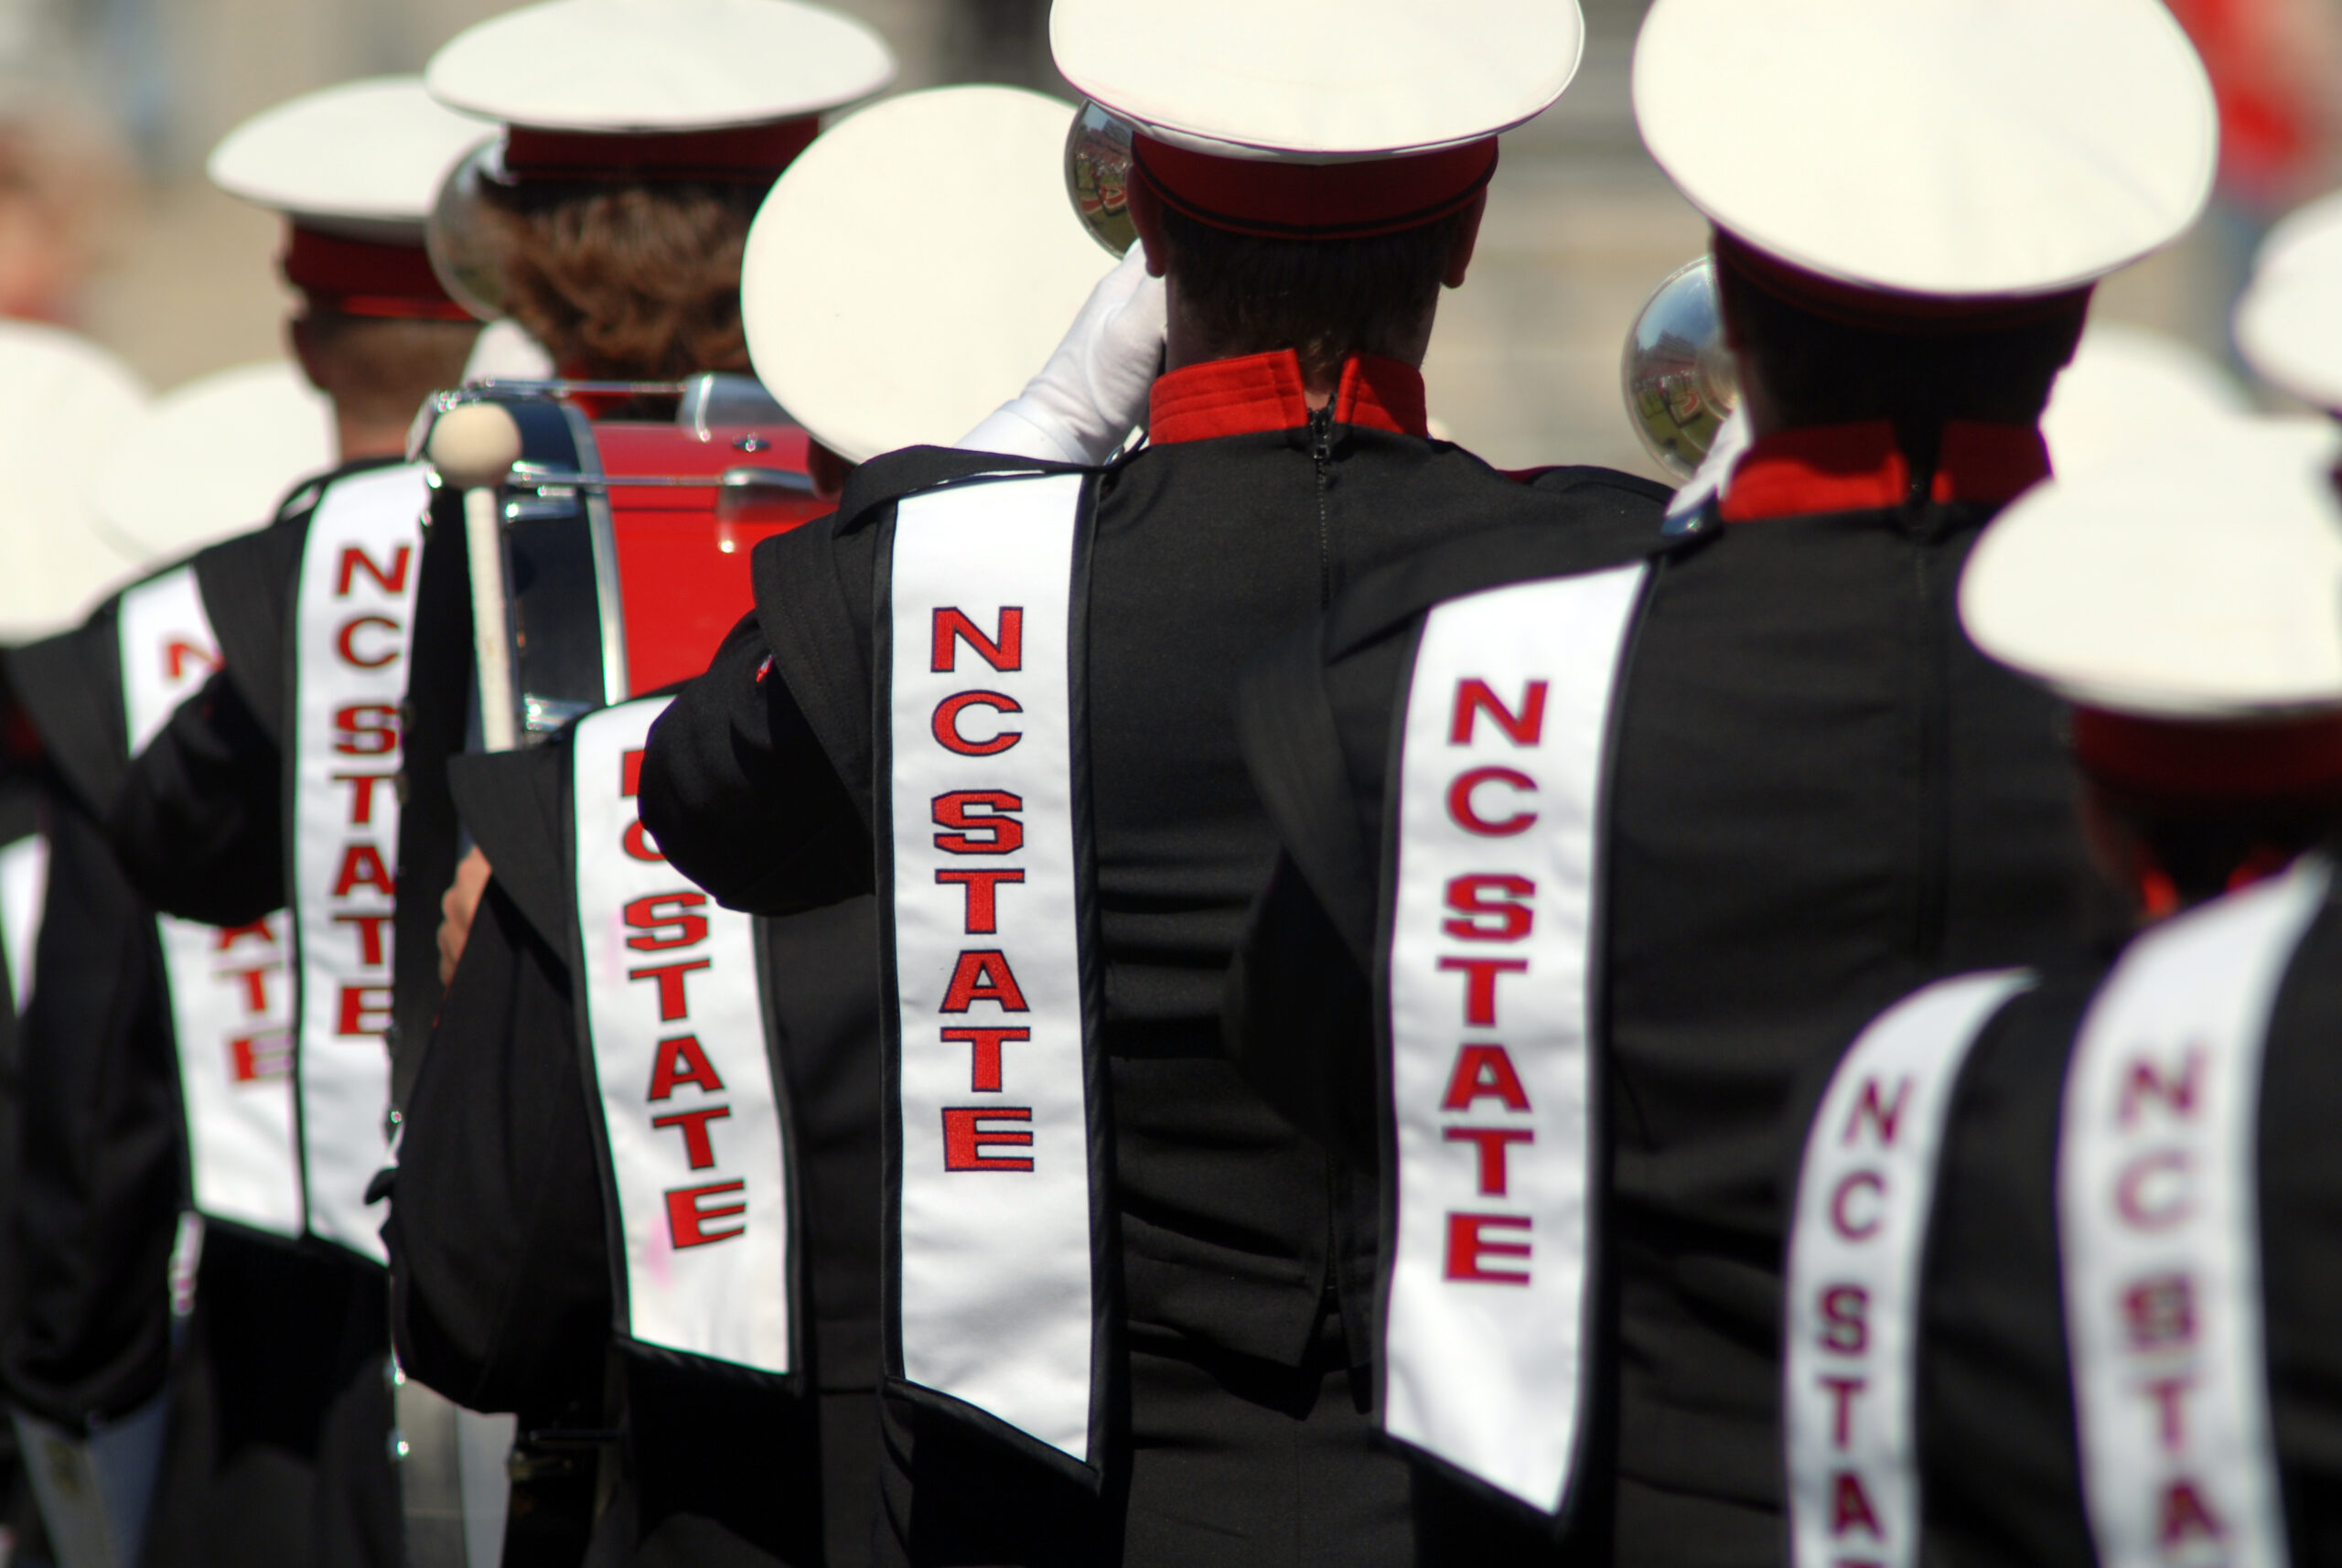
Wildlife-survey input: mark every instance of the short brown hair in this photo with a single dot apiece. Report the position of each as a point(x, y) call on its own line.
point(1327, 300)
point(378, 370)
point(629, 282)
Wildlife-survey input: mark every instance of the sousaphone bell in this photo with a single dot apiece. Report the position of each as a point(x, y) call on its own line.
point(1676, 374)
point(1098, 175)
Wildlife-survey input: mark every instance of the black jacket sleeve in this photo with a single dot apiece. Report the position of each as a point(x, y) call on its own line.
point(500, 1271)
point(198, 819)
point(741, 796)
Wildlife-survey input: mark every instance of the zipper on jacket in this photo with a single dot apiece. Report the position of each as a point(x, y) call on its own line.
point(1321, 452)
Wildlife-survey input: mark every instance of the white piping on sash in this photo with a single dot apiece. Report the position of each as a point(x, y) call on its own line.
point(353, 617)
point(1864, 1195)
point(691, 1122)
point(1493, 943)
point(2159, 1224)
point(231, 991)
point(994, 1200)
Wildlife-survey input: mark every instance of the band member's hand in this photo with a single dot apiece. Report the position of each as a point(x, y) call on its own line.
point(1093, 392)
point(456, 907)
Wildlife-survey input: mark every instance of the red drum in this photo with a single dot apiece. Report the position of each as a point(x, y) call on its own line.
point(626, 537)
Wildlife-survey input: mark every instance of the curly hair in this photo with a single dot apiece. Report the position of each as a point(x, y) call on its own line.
point(629, 282)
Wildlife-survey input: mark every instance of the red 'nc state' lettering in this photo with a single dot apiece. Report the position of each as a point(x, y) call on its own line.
point(947, 723)
point(1842, 1216)
point(1469, 1247)
point(355, 559)
point(2184, 1516)
point(372, 951)
point(699, 1145)
point(366, 729)
point(1003, 652)
point(365, 1011)
point(252, 1058)
point(983, 1069)
point(688, 1214)
point(967, 1137)
point(177, 654)
point(1841, 1395)
point(2146, 1080)
point(379, 653)
point(982, 916)
point(2147, 1203)
point(228, 936)
point(1850, 1506)
point(1885, 1119)
point(1491, 1142)
point(1473, 698)
point(679, 1061)
point(983, 975)
point(361, 867)
point(1493, 909)
point(255, 985)
point(1484, 1072)
point(1481, 984)
point(361, 795)
point(1466, 815)
point(982, 820)
point(1846, 1320)
point(669, 977)
point(663, 920)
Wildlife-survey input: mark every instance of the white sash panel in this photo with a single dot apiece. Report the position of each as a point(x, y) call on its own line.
point(2159, 1223)
point(994, 1200)
point(1863, 1198)
point(231, 989)
point(676, 1040)
point(24, 895)
point(356, 607)
point(1492, 934)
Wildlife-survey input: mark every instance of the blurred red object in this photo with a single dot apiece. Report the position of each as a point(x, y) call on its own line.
point(2274, 68)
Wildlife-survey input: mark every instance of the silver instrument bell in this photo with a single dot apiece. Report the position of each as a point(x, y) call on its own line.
point(1676, 374)
point(460, 236)
point(1097, 175)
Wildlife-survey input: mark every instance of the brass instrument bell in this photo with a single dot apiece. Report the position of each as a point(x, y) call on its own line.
point(1097, 175)
point(1677, 374)
point(460, 236)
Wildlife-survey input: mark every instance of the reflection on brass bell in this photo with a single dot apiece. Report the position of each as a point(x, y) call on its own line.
point(1676, 374)
point(1097, 175)
point(460, 237)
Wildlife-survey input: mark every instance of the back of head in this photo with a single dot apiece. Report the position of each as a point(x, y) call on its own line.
point(378, 370)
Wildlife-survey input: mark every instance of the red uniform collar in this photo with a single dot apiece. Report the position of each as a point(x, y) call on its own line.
point(1859, 467)
point(1264, 391)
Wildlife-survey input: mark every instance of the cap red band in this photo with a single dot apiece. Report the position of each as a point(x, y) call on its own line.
point(1282, 201)
point(1890, 310)
point(2206, 763)
point(735, 153)
point(367, 278)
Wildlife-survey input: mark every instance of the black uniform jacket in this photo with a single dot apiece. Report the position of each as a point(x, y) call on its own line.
point(1240, 519)
point(198, 819)
point(2001, 1477)
point(291, 1336)
point(1821, 796)
point(499, 1246)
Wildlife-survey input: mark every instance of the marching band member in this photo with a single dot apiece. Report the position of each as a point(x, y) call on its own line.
point(749, 1338)
point(2062, 1252)
point(1631, 831)
point(202, 663)
point(1125, 1311)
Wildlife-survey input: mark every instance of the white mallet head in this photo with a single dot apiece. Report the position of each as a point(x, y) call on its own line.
point(474, 446)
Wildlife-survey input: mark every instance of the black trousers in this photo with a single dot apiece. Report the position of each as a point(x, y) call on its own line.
point(1224, 1461)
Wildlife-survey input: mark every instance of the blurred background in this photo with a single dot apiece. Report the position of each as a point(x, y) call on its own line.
point(106, 223)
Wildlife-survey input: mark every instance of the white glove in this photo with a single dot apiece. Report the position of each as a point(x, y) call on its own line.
point(1093, 391)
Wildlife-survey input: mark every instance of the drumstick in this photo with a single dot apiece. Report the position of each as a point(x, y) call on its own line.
point(474, 448)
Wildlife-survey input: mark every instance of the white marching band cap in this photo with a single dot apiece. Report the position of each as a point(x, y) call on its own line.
point(212, 458)
point(647, 67)
point(1301, 78)
point(1950, 148)
point(354, 169)
point(880, 323)
point(1318, 119)
point(2129, 388)
point(2288, 323)
point(2201, 579)
point(66, 407)
point(364, 152)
